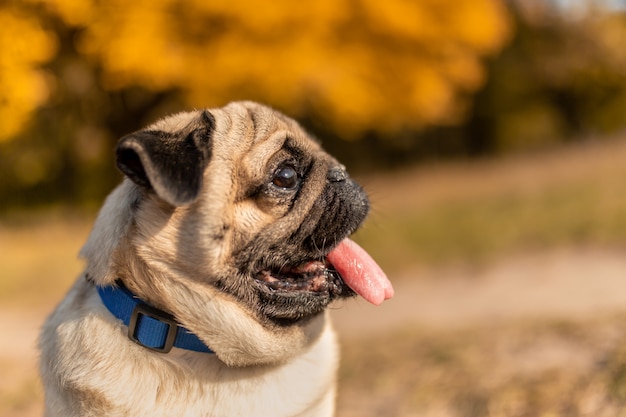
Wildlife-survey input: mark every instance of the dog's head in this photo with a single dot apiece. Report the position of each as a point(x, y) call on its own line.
point(237, 207)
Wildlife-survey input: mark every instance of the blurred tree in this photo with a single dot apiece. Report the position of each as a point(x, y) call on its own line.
point(353, 61)
point(359, 68)
point(24, 46)
point(562, 78)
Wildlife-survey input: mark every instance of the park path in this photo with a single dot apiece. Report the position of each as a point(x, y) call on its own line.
point(568, 284)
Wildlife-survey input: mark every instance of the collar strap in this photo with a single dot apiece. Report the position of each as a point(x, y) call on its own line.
point(148, 326)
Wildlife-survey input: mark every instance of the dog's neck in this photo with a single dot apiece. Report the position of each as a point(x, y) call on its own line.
point(148, 326)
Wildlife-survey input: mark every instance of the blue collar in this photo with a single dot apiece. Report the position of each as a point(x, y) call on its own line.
point(148, 326)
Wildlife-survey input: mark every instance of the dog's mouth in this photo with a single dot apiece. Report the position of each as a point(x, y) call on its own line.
point(303, 289)
point(315, 277)
point(346, 270)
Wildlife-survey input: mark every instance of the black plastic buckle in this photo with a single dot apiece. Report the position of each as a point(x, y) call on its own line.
point(154, 313)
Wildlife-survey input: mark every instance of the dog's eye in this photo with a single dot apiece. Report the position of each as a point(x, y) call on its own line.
point(286, 177)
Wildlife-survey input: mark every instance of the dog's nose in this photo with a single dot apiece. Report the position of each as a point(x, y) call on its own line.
point(337, 174)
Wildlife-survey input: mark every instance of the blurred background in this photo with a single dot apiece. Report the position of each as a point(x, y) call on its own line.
point(490, 135)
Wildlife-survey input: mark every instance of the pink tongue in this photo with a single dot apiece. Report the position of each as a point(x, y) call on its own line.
point(360, 272)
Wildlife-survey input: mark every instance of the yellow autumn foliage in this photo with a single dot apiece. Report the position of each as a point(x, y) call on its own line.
point(358, 65)
point(24, 45)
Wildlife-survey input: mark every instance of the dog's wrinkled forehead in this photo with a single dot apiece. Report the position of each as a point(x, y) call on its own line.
point(237, 120)
point(266, 121)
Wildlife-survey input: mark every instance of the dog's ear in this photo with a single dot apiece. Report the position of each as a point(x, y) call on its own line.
point(171, 164)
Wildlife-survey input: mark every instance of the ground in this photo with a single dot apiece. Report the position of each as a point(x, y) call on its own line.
point(542, 318)
point(541, 334)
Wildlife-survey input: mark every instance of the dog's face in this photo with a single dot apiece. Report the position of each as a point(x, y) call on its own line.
point(232, 210)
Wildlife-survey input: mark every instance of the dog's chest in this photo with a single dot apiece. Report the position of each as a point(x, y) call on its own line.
point(107, 374)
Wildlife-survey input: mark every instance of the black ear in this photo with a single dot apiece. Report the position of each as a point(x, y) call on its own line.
point(171, 164)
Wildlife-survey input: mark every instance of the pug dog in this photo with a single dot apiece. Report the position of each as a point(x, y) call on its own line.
point(208, 273)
